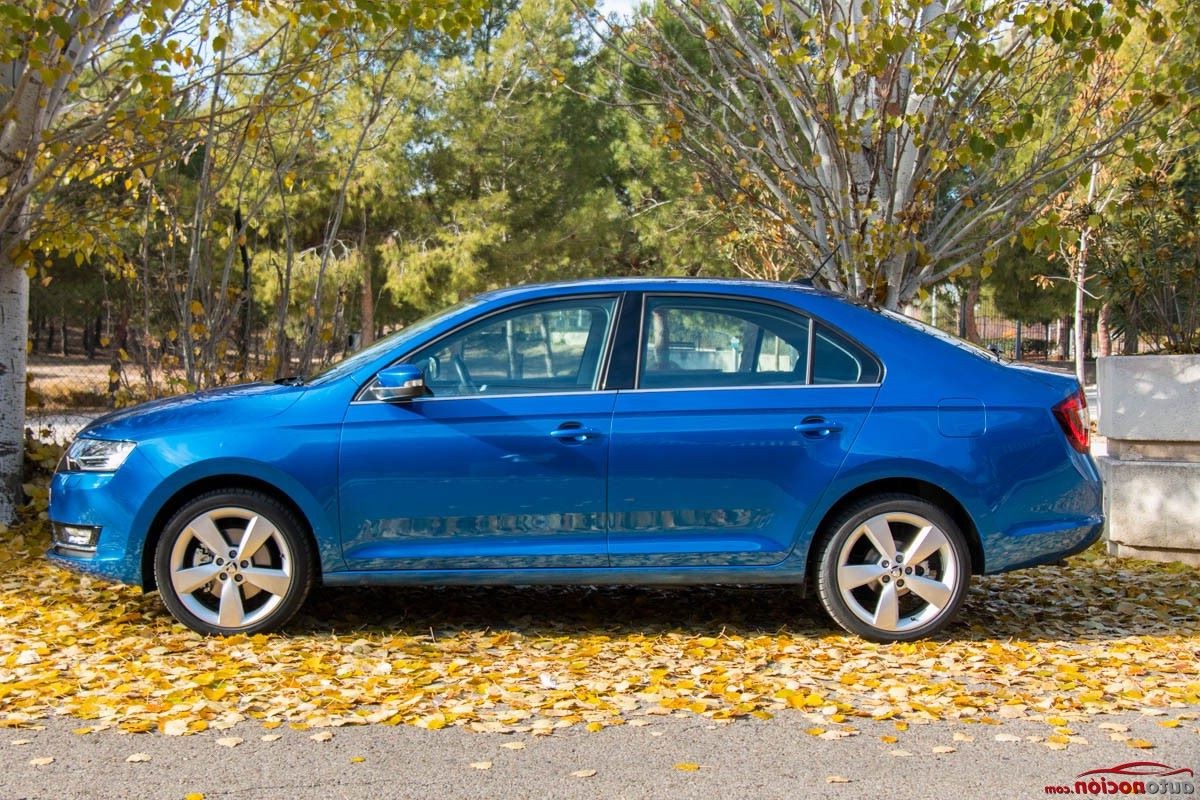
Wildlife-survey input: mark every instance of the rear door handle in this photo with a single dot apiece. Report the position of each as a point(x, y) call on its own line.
point(574, 432)
point(817, 427)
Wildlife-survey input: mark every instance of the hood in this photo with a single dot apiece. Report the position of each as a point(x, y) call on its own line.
point(248, 403)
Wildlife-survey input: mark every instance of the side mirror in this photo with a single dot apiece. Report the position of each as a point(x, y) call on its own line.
point(399, 382)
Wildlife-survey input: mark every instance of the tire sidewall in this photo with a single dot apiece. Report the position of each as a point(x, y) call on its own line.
point(846, 524)
point(263, 505)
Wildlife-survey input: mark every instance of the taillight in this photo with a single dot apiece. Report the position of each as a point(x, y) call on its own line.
point(1072, 415)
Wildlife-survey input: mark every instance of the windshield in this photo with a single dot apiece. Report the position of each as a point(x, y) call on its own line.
point(390, 342)
point(938, 333)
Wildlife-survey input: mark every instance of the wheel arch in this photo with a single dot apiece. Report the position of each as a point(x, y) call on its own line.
point(209, 483)
point(925, 490)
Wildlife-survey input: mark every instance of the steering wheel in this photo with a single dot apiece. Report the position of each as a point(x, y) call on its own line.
point(465, 384)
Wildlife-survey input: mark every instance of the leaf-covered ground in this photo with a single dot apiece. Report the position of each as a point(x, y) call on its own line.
point(1051, 644)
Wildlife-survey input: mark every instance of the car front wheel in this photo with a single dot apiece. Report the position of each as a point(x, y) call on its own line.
point(895, 568)
point(233, 561)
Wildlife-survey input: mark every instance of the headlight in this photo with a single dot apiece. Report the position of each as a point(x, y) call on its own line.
point(96, 455)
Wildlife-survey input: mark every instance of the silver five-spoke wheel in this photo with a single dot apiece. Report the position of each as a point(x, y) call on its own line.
point(895, 568)
point(233, 561)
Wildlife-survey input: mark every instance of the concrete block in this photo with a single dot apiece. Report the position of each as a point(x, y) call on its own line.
point(1152, 504)
point(1150, 398)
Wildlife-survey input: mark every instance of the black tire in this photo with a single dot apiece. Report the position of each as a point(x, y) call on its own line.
point(866, 608)
point(256, 593)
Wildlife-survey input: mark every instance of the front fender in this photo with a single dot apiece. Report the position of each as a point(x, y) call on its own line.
point(319, 510)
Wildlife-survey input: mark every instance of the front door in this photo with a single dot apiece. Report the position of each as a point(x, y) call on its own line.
point(504, 466)
point(731, 435)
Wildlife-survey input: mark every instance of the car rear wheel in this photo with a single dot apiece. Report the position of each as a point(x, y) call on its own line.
point(895, 568)
point(233, 561)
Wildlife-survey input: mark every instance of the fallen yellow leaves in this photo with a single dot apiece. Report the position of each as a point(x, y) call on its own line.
point(1055, 644)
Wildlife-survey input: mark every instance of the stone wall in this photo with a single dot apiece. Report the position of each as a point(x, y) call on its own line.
point(1150, 412)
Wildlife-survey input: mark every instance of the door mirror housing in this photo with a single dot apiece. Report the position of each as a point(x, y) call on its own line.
point(398, 383)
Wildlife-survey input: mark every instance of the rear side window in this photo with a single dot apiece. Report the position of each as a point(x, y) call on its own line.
point(836, 359)
point(698, 342)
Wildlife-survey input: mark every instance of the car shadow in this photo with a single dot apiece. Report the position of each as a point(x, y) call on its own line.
point(1037, 605)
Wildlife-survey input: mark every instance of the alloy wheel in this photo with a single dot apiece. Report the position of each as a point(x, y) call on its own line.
point(897, 572)
point(231, 567)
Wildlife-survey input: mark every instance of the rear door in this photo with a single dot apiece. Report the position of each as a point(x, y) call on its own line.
point(742, 412)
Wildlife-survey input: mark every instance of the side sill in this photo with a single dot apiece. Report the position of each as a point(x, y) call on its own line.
point(630, 576)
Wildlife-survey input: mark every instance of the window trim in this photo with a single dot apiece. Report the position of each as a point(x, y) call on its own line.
point(814, 321)
point(601, 371)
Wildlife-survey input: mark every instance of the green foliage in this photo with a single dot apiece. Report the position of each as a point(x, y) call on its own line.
point(1151, 258)
point(1024, 287)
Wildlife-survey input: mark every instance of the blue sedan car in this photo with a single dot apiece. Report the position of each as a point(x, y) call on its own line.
point(617, 431)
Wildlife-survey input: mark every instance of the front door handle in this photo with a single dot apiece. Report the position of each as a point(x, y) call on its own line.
point(817, 427)
point(574, 432)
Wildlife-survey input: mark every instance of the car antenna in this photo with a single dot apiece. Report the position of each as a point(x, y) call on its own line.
point(809, 280)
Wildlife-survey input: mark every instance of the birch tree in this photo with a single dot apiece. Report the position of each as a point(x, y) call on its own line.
point(884, 146)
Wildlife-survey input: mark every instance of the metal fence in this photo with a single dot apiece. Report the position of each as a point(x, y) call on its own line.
point(1049, 342)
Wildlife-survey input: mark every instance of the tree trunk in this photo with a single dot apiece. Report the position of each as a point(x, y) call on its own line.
point(14, 311)
point(367, 305)
point(1062, 341)
point(1130, 345)
point(115, 368)
point(1080, 276)
point(1104, 331)
point(971, 325)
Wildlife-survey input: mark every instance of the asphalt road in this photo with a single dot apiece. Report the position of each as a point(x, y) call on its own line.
point(748, 758)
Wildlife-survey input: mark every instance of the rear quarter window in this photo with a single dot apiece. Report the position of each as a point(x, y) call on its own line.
point(837, 360)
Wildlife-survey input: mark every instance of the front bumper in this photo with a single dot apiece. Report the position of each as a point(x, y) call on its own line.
point(110, 502)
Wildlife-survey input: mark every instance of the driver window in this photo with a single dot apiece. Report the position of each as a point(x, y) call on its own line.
point(547, 347)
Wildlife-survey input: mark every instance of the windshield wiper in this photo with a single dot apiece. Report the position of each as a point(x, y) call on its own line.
point(291, 380)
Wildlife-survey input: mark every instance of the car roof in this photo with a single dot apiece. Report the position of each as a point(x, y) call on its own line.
point(648, 284)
